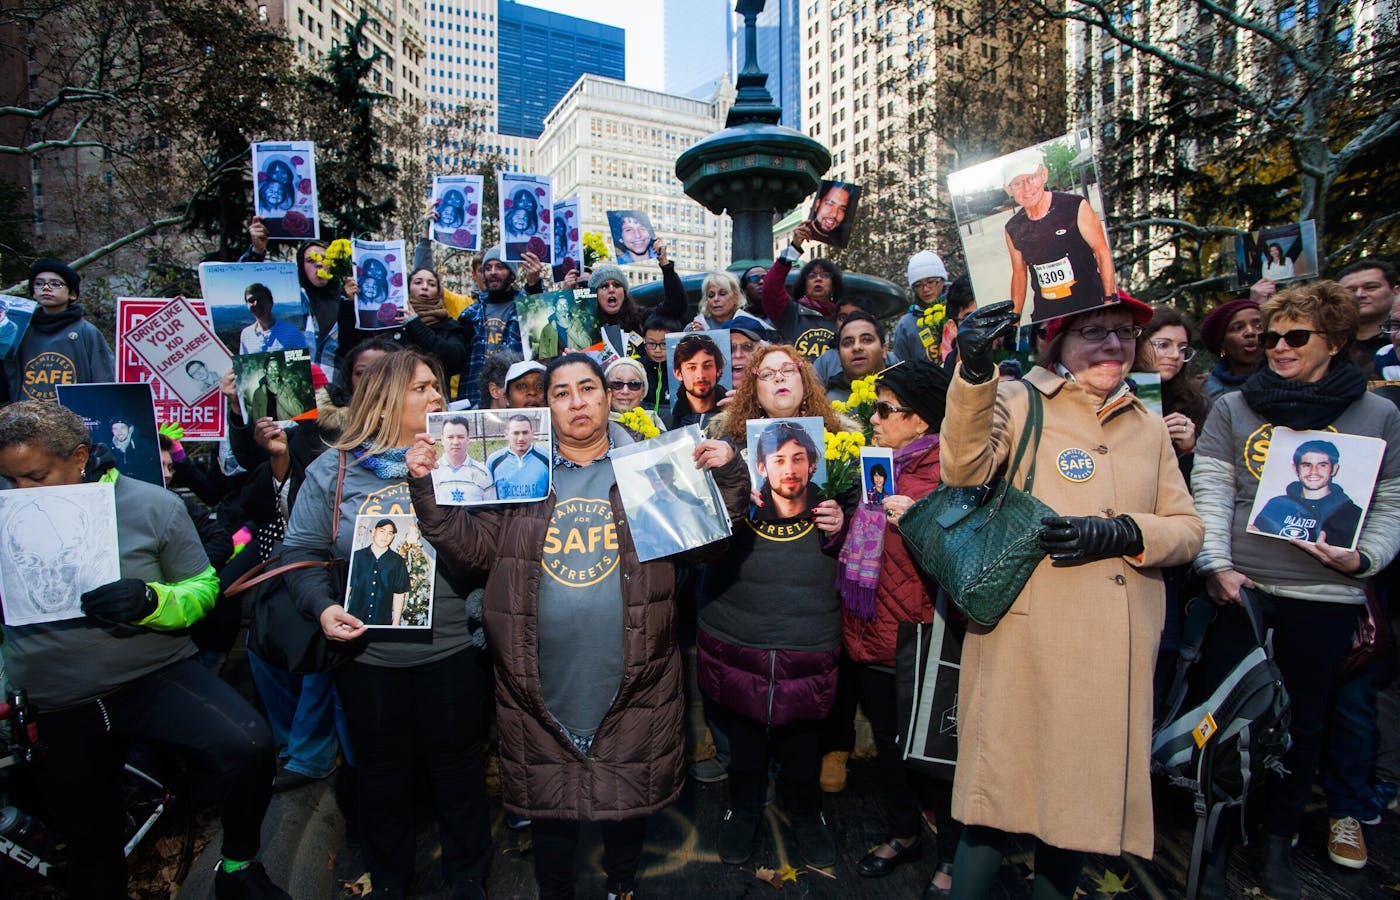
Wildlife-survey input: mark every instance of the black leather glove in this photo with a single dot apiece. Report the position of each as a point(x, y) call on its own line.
point(976, 336)
point(1083, 538)
point(120, 602)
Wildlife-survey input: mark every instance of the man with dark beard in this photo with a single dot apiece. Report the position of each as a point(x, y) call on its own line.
point(491, 320)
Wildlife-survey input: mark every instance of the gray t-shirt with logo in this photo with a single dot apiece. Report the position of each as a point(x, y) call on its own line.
point(580, 600)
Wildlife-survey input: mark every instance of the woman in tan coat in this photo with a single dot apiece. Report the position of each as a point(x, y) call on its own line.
point(1056, 700)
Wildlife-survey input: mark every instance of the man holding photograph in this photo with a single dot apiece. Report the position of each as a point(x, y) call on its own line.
point(519, 470)
point(698, 365)
point(1313, 506)
point(1057, 239)
point(379, 581)
point(787, 460)
point(458, 478)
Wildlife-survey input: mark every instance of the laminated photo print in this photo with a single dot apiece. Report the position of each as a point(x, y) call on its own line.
point(122, 418)
point(1148, 387)
point(457, 199)
point(284, 189)
point(555, 321)
point(275, 385)
point(1281, 254)
point(1316, 484)
point(527, 204)
point(382, 300)
point(834, 212)
point(56, 543)
point(254, 307)
point(699, 370)
point(568, 247)
point(876, 475)
point(1031, 224)
point(490, 456)
point(787, 466)
point(181, 350)
point(633, 235)
point(203, 420)
point(15, 313)
point(670, 505)
point(393, 573)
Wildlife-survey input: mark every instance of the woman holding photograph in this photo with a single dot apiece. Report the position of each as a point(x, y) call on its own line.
point(427, 326)
point(588, 677)
point(406, 703)
point(1309, 593)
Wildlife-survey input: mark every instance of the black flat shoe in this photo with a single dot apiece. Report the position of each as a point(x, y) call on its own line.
point(873, 866)
point(933, 892)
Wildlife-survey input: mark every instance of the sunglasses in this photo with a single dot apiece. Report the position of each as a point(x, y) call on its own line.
point(1295, 338)
point(625, 385)
point(753, 279)
point(884, 409)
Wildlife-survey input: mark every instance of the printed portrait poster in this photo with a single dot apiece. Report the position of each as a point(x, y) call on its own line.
point(181, 350)
point(671, 505)
point(834, 212)
point(699, 370)
point(1031, 224)
point(568, 246)
point(56, 543)
point(632, 235)
point(275, 385)
point(490, 456)
point(254, 307)
point(15, 313)
point(1316, 483)
point(284, 189)
point(457, 199)
point(527, 204)
point(876, 474)
point(382, 300)
point(122, 418)
point(393, 573)
point(204, 421)
point(1148, 387)
point(555, 321)
point(1281, 254)
point(787, 466)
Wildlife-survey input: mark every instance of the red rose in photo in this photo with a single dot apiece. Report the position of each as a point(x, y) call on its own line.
point(388, 313)
point(468, 189)
point(537, 246)
point(389, 257)
point(573, 234)
point(304, 186)
point(297, 160)
point(544, 216)
point(262, 176)
point(540, 192)
point(296, 224)
point(463, 237)
point(568, 213)
point(396, 279)
point(473, 209)
point(507, 203)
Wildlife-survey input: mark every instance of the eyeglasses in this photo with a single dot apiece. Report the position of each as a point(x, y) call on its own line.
point(787, 371)
point(1390, 326)
point(1185, 351)
point(1295, 338)
point(753, 279)
point(50, 283)
point(655, 345)
point(625, 385)
point(884, 409)
point(1097, 334)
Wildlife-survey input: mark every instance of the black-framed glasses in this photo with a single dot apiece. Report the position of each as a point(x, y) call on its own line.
point(1294, 338)
point(884, 409)
point(625, 385)
point(655, 345)
point(787, 371)
point(54, 283)
point(1097, 334)
point(1390, 326)
point(1185, 351)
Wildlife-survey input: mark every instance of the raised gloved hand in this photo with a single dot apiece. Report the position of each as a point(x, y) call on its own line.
point(120, 602)
point(976, 336)
point(1084, 538)
point(174, 431)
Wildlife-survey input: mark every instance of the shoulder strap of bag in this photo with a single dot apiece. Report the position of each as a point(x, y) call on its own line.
point(268, 568)
point(1030, 436)
point(339, 493)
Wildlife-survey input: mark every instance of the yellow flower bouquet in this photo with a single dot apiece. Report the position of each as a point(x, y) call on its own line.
point(639, 423)
point(842, 462)
point(336, 263)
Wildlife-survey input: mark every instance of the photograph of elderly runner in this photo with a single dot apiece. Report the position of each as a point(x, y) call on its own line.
point(786, 461)
point(519, 470)
point(458, 478)
point(1313, 505)
point(1056, 242)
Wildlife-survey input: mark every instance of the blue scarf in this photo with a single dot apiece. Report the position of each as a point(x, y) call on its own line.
point(389, 465)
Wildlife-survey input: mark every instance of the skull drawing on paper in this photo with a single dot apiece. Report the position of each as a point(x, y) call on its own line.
point(44, 547)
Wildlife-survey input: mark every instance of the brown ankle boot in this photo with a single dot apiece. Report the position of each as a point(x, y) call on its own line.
point(833, 777)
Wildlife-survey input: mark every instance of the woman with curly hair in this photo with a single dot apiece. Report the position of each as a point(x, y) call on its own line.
point(790, 389)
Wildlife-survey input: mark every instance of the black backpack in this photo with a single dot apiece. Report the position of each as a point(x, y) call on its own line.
point(1218, 748)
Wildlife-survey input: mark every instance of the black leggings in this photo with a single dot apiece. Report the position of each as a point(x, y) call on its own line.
point(182, 705)
point(797, 748)
point(554, 842)
point(981, 851)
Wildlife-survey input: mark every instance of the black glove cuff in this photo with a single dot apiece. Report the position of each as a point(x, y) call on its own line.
point(973, 373)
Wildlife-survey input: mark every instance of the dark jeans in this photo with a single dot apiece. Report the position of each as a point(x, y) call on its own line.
point(435, 714)
point(1352, 737)
point(1310, 639)
point(838, 733)
point(797, 748)
point(555, 841)
point(182, 705)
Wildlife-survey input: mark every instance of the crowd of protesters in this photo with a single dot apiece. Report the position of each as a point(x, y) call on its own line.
point(795, 615)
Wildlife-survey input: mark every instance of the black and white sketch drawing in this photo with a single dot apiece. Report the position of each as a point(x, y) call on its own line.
point(55, 543)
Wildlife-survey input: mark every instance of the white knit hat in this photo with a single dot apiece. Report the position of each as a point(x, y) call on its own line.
point(926, 264)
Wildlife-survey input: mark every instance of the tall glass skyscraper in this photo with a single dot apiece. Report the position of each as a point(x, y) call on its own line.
point(780, 55)
point(699, 46)
point(540, 54)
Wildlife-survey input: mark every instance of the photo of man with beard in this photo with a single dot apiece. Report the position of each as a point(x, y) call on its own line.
point(786, 459)
point(698, 366)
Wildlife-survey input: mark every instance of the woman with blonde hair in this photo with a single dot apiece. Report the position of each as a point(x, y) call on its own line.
point(406, 702)
point(722, 302)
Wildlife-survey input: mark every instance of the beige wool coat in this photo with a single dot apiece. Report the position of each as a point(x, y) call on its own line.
point(1055, 702)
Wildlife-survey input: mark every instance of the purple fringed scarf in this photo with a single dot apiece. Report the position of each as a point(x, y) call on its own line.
point(859, 569)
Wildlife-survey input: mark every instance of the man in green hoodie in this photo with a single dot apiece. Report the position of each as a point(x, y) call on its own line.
point(60, 347)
